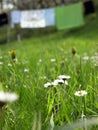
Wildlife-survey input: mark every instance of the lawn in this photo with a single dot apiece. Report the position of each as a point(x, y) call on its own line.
point(33, 73)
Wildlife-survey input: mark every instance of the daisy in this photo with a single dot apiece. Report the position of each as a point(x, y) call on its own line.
point(80, 93)
point(54, 83)
point(48, 84)
point(43, 77)
point(64, 77)
point(53, 60)
point(10, 65)
point(7, 97)
point(65, 82)
point(26, 70)
point(59, 81)
point(1, 63)
point(85, 58)
point(40, 60)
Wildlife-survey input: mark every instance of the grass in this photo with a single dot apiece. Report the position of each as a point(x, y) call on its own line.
point(36, 104)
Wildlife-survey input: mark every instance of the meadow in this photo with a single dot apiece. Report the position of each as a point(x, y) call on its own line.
point(55, 74)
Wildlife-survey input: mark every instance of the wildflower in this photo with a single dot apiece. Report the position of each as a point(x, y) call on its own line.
point(64, 77)
point(6, 97)
point(73, 50)
point(55, 83)
point(13, 55)
point(40, 60)
point(10, 65)
point(43, 77)
point(53, 60)
point(65, 82)
point(59, 81)
point(80, 93)
point(1, 63)
point(48, 84)
point(85, 58)
point(26, 70)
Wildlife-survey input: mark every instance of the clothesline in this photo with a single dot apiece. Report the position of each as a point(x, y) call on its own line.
point(62, 16)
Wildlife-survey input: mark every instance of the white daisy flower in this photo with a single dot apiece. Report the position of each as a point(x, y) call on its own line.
point(54, 83)
point(85, 58)
point(48, 84)
point(1, 63)
point(43, 77)
point(26, 70)
point(40, 60)
point(64, 77)
point(65, 82)
point(59, 81)
point(53, 60)
point(10, 65)
point(7, 96)
point(80, 93)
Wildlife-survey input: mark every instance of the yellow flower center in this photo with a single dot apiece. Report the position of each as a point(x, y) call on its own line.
point(80, 93)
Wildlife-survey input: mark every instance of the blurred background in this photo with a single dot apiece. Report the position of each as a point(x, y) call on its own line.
point(60, 10)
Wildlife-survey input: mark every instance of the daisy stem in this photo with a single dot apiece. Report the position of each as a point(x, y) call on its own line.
point(0, 118)
point(84, 113)
point(84, 101)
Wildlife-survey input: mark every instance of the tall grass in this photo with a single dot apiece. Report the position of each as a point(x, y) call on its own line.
point(42, 59)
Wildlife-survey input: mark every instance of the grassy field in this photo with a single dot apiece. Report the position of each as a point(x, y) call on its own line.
point(41, 58)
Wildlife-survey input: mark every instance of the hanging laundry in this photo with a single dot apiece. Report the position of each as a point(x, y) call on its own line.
point(3, 19)
point(89, 7)
point(50, 17)
point(15, 17)
point(69, 16)
point(33, 19)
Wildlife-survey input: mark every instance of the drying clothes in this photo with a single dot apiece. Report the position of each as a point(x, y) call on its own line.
point(88, 7)
point(50, 17)
point(69, 16)
point(33, 19)
point(3, 19)
point(15, 17)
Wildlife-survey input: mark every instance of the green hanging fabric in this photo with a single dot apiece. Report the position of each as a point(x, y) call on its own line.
point(69, 16)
